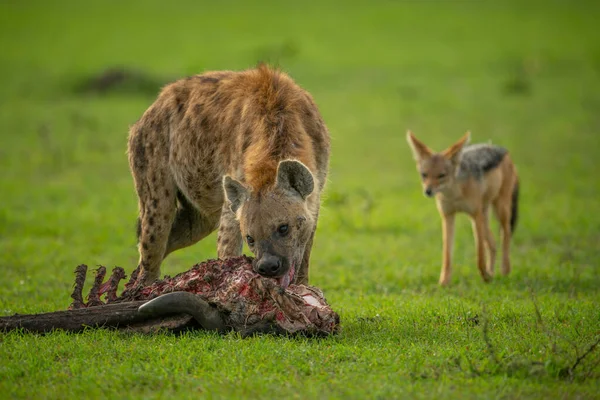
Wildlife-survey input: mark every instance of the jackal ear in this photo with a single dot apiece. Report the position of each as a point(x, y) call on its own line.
point(295, 177)
point(235, 192)
point(419, 150)
point(454, 152)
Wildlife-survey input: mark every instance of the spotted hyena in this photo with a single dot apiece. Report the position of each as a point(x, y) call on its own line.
point(245, 152)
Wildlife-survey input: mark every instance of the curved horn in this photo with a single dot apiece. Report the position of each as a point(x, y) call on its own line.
point(185, 303)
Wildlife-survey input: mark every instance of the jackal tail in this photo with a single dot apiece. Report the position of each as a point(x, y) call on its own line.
point(514, 212)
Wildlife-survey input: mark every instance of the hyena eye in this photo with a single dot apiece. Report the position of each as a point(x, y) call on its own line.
point(250, 240)
point(423, 175)
point(283, 229)
point(440, 176)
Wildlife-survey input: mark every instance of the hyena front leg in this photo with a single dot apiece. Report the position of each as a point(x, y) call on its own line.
point(154, 225)
point(302, 272)
point(229, 239)
point(156, 193)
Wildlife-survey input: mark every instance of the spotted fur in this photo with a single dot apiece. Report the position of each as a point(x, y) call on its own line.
point(237, 124)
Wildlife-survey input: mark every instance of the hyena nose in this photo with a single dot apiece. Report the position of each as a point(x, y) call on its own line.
point(269, 265)
point(428, 192)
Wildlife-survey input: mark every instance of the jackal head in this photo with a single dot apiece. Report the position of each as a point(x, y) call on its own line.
point(437, 170)
point(276, 222)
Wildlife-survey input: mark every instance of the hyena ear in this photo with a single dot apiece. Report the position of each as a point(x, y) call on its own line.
point(454, 152)
point(235, 192)
point(419, 150)
point(295, 177)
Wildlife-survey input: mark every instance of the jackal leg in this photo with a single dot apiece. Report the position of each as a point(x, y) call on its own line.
point(491, 243)
point(502, 209)
point(479, 232)
point(189, 226)
point(229, 239)
point(448, 245)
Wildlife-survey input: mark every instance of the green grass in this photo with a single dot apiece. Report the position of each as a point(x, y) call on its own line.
point(522, 74)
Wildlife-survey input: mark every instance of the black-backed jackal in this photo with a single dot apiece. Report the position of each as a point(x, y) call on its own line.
point(470, 178)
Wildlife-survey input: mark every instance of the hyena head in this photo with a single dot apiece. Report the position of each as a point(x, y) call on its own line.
point(437, 170)
point(276, 222)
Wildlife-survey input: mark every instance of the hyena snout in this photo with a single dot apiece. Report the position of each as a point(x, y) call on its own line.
point(428, 191)
point(270, 265)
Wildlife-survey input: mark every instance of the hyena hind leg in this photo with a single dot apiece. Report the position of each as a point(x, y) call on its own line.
point(229, 240)
point(189, 226)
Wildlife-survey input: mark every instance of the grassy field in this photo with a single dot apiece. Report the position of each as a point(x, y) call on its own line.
point(525, 75)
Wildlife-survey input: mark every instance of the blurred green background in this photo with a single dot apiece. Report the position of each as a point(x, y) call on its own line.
point(523, 74)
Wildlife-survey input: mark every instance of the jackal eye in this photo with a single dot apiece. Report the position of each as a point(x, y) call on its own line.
point(283, 229)
point(423, 175)
point(250, 240)
point(440, 176)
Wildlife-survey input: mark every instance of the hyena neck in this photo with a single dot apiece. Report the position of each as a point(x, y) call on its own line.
point(260, 174)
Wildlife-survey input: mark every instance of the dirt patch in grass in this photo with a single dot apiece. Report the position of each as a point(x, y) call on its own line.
point(120, 80)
